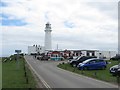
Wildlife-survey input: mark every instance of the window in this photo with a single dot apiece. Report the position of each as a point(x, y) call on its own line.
point(93, 54)
point(100, 60)
point(93, 61)
point(76, 54)
point(88, 54)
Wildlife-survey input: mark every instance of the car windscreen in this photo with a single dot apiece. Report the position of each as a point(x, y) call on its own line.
point(87, 61)
point(77, 58)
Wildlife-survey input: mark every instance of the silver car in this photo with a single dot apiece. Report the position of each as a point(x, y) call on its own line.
point(115, 70)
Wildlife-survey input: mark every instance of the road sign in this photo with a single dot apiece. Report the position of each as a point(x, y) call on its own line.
point(18, 51)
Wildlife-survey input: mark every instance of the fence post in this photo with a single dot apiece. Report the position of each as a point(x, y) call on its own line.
point(95, 74)
point(118, 81)
point(82, 71)
point(65, 67)
point(25, 72)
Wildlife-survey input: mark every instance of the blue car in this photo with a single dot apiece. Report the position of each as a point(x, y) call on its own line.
point(93, 63)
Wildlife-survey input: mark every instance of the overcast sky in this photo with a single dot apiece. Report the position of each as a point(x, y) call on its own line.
point(76, 24)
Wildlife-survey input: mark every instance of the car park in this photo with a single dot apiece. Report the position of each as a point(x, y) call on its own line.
point(74, 58)
point(80, 59)
point(117, 57)
point(115, 70)
point(93, 63)
point(43, 58)
point(39, 57)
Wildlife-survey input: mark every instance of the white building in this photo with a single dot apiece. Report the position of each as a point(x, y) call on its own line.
point(35, 49)
point(84, 52)
point(48, 47)
point(97, 53)
point(48, 43)
point(106, 54)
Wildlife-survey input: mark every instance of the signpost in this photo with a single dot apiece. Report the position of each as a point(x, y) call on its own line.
point(18, 52)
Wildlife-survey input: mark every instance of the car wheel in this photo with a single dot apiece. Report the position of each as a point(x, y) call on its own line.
point(85, 68)
point(114, 74)
point(104, 67)
point(74, 65)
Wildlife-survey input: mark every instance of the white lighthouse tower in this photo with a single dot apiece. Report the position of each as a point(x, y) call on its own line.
point(48, 31)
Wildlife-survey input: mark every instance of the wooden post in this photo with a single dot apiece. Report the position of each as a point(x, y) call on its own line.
point(25, 73)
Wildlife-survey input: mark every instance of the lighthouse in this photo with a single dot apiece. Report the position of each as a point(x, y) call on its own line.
point(48, 31)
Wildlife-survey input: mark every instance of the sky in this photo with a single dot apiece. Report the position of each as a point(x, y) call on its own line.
point(76, 24)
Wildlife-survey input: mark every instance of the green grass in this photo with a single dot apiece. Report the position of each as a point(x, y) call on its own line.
point(14, 77)
point(97, 74)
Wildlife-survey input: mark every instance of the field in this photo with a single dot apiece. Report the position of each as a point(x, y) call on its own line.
point(14, 76)
point(97, 74)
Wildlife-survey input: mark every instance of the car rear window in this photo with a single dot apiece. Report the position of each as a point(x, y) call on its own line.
point(99, 60)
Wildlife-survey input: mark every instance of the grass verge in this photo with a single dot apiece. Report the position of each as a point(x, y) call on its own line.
point(14, 76)
point(103, 75)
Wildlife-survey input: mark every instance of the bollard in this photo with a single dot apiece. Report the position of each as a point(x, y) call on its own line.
point(118, 81)
point(65, 67)
point(82, 71)
point(95, 74)
point(74, 69)
point(27, 80)
point(25, 73)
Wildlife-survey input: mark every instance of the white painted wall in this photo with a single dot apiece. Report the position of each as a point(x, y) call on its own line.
point(97, 54)
point(34, 49)
point(31, 49)
point(107, 54)
point(83, 53)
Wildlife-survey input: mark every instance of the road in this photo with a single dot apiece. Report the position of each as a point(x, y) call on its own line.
point(54, 77)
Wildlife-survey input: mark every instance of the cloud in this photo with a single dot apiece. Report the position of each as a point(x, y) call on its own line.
point(46, 16)
point(8, 20)
point(69, 24)
point(75, 24)
point(109, 8)
point(3, 4)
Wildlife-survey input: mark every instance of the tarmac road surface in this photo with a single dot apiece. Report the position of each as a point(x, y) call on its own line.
point(54, 77)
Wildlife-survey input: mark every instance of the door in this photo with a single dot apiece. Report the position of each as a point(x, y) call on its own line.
point(92, 64)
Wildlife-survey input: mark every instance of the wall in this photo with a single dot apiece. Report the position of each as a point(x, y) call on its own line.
point(36, 49)
point(107, 54)
point(31, 49)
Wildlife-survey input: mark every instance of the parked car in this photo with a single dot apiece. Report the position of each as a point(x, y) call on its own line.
point(117, 57)
point(45, 57)
point(39, 57)
point(74, 58)
point(80, 60)
point(93, 63)
point(115, 70)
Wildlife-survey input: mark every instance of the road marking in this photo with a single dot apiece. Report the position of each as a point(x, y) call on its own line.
point(43, 81)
